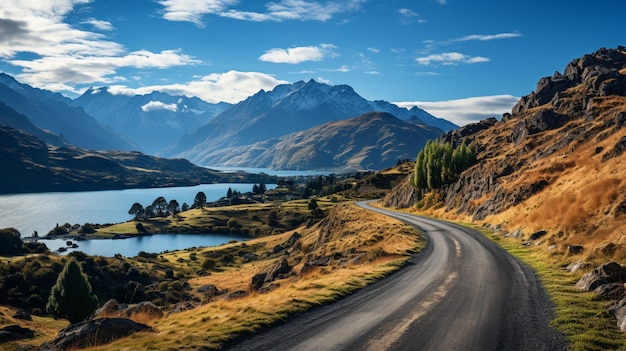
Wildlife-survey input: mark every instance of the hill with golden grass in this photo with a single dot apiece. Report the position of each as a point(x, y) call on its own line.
point(555, 164)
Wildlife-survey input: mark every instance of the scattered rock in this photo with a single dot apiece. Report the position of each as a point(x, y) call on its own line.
point(577, 266)
point(618, 309)
point(15, 332)
point(538, 235)
point(277, 270)
point(94, 332)
point(145, 308)
point(610, 272)
point(257, 281)
point(209, 289)
point(575, 249)
point(236, 295)
point(292, 240)
point(611, 291)
point(23, 315)
point(278, 248)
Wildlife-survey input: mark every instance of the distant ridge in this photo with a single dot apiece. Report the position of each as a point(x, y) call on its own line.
point(286, 109)
point(52, 112)
point(375, 140)
point(153, 120)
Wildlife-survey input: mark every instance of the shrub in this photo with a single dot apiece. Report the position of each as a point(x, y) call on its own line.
point(208, 263)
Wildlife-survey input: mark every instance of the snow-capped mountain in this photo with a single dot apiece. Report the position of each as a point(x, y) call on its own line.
point(286, 109)
point(153, 120)
point(52, 112)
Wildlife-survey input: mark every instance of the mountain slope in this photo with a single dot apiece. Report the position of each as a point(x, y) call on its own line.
point(51, 111)
point(557, 163)
point(29, 165)
point(286, 109)
point(154, 120)
point(10, 117)
point(371, 141)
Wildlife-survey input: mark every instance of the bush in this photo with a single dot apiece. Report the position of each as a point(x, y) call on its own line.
point(209, 263)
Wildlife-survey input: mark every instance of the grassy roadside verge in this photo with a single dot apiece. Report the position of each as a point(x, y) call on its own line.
point(581, 317)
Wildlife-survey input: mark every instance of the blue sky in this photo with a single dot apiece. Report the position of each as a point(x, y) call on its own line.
point(458, 59)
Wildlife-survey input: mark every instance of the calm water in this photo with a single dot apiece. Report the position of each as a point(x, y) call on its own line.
point(152, 243)
point(42, 211)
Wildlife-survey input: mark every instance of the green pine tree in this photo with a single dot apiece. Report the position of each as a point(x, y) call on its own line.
point(71, 297)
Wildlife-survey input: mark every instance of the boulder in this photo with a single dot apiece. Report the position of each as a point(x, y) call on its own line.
point(610, 272)
point(292, 239)
point(145, 308)
point(209, 289)
point(15, 332)
point(23, 315)
point(578, 265)
point(538, 235)
point(110, 308)
point(611, 291)
point(94, 332)
point(574, 249)
point(236, 295)
point(257, 281)
point(277, 270)
point(618, 310)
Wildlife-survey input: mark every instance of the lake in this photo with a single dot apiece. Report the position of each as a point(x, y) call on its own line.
point(152, 243)
point(42, 211)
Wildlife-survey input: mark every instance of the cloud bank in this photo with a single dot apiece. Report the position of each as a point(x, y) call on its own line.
point(232, 87)
point(468, 110)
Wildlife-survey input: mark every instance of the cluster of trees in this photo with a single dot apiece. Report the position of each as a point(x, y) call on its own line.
point(159, 208)
point(440, 163)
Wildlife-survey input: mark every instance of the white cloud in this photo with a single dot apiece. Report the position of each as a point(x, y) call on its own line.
point(158, 105)
point(408, 16)
point(298, 54)
point(303, 10)
point(67, 56)
point(482, 37)
point(374, 50)
point(99, 24)
point(232, 86)
point(468, 110)
point(450, 58)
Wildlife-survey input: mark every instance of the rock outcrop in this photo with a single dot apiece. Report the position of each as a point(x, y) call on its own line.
point(93, 332)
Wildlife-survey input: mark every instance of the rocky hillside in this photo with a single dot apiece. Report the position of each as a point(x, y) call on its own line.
point(556, 163)
point(371, 141)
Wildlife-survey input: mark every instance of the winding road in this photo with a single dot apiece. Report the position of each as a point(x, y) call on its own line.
point(462, 292)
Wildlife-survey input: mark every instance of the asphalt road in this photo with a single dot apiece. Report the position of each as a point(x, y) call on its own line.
point(462, 292)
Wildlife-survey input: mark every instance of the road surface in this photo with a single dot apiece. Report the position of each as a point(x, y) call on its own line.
point(462, 292)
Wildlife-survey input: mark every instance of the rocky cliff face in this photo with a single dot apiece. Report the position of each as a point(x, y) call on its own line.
point(557, 160)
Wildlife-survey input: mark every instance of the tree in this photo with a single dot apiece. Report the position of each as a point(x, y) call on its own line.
point(137, 210)
point(10, 242)
point(173, 207)
point(71, 297)
point(159, 206)
point(199, 200)
point(312, 204)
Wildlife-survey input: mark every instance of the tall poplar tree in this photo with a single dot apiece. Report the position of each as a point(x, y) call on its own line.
point(71, 297)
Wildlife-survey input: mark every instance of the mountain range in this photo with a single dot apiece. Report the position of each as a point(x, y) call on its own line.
point(287, 109)
point(153, 120)
point(52, 112)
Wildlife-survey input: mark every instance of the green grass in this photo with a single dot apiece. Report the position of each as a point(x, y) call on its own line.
point(583, 319)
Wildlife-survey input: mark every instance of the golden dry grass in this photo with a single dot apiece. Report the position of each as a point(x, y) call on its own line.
point(363, 247)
